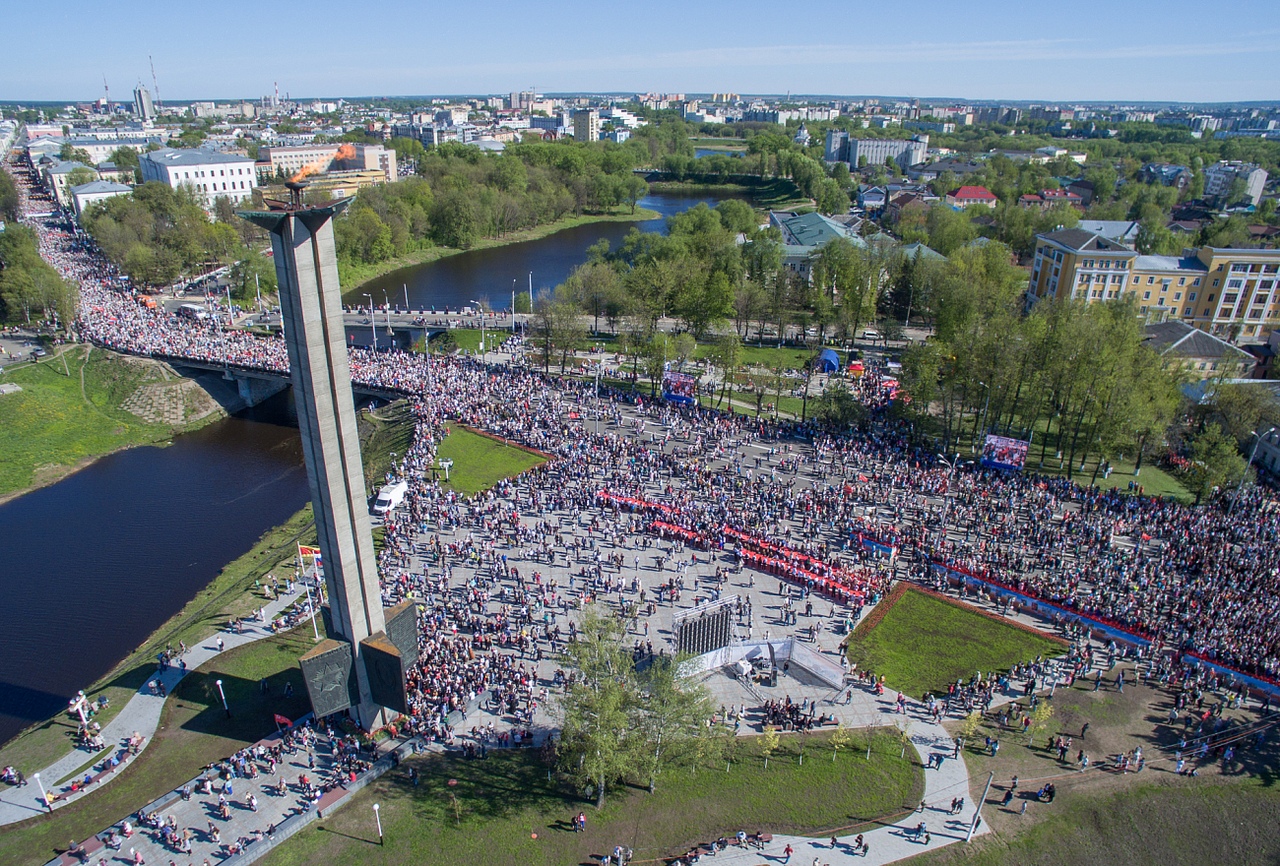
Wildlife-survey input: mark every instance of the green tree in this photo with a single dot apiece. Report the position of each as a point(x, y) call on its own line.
point(671, 716)
point(1215, 462)
point(598, 741)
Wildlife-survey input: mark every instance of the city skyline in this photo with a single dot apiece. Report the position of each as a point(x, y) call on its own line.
point(1141, 52)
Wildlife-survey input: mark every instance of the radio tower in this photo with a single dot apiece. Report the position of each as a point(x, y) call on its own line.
point(155, 83)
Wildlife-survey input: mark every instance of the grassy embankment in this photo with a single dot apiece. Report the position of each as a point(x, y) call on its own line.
point(508, 809)
point(1225, 814)
point(920, 643)
point(69, 412)
point(355, 276)
point(234, 592)
point(193, 733)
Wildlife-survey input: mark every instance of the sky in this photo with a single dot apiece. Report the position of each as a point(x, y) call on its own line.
point(1117, 51)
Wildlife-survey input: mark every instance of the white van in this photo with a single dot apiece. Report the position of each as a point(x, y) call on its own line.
point(389, 497)
point(871, 334)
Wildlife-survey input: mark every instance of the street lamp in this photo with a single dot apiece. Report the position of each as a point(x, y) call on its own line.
point(223, 695)
point(1252, 456)
point(481, 311)
point(952, 465)
point(378, 820)
point(44, 798)
point(373, 325)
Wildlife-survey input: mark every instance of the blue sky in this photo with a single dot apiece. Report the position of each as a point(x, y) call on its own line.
point(1126, 50)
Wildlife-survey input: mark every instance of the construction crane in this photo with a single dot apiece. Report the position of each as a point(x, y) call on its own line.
point(155, 84)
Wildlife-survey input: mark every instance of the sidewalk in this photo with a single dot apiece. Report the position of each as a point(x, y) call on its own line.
point(141, 714)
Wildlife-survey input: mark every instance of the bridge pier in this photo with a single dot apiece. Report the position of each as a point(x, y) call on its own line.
point(254, 390)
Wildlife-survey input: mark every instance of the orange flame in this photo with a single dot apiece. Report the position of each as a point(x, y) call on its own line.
point(345, 152)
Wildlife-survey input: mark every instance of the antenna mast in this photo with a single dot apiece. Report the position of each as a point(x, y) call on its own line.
point(155, 83)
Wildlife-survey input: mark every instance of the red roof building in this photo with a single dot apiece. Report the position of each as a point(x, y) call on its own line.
point(971, 195)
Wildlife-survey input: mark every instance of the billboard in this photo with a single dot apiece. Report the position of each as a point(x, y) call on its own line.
point(679, 388)
point(1001, 452)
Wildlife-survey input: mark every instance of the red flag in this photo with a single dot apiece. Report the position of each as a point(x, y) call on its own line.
point(1146, 537)
point(283, 721)
point(862, 478)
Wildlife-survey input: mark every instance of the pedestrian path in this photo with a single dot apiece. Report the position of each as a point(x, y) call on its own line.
point(140, 715)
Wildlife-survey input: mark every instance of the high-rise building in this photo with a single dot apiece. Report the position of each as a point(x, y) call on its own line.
point(878, 151)
point(1222, 175)
point(586, 125)
point(142, 104)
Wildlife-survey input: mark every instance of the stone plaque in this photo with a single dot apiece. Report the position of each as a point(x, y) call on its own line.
point(402, 630)
point(327, 671)
point(386, 671)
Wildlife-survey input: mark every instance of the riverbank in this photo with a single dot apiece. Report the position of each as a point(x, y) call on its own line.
point(83, 403)
point(354, 277)
point(234, 592)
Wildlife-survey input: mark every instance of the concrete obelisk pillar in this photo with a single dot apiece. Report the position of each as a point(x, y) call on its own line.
point(310, 301)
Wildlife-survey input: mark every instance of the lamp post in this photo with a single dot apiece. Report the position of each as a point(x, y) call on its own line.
point(481, 311)
point(952, 465)
point(513, 306)
point(1252, 456)
point(377, 818)
point(223, 695)
point(373, 325)
point(316, 629)
point(406, 296)
point(44, 798)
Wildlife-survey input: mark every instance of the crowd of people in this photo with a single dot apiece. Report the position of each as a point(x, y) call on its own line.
point(874, 503)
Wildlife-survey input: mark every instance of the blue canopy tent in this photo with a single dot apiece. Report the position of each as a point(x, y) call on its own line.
point(827, 362)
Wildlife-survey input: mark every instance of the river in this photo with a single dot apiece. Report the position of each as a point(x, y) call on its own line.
point(94, 564)
point(491, 274)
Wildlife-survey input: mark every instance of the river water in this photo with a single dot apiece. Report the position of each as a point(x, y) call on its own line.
point(93, 565)
point(491, 275)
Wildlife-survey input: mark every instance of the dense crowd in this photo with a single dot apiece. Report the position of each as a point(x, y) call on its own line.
point(860, 503)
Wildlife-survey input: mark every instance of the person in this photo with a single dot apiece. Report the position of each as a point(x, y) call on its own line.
point(834, 842)
point(787, 852)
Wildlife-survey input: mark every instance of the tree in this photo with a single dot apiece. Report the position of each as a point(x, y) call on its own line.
point(838, 408)
point(597, 741)
point(768, 743)
point(1040, 717)
point(1215, 461)
point(839, 739)
point(727, 355)
point(671, 716)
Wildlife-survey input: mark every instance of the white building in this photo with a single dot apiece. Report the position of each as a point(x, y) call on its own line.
point(207, 172)
point(1219, 177)
point(352, 157)
point(87, 193)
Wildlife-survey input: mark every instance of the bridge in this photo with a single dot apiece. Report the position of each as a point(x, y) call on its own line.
point(390, 329)
point(255, 385)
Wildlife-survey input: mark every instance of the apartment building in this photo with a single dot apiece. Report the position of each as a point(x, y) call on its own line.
point(1231, 293)
point(273, 161)
point(208, 172)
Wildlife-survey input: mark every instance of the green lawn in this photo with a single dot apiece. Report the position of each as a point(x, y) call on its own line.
point(1145, 826)
point(193, 732)
point(925, 642)
point(57, 421)
point(480, 462)
point(502, 802)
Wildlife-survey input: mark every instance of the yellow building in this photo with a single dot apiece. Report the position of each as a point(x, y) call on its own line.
point(1232, 293)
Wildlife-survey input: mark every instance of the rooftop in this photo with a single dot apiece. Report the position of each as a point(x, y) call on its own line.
point(1168, 263)
point(1085, 241)
point(98, 186)
point(1179, 338)
point(194, 156)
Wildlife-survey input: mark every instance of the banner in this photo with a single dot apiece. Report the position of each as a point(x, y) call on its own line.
point(283, 721)
point(1001, 452)
point(679, 388)
point(309, 557)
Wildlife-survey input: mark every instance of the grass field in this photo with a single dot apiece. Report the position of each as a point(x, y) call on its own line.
point(68, 412)
point(193, 733)
point(925, 642)
point(480, 462)
point(502, 802)
point(1225, 814)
